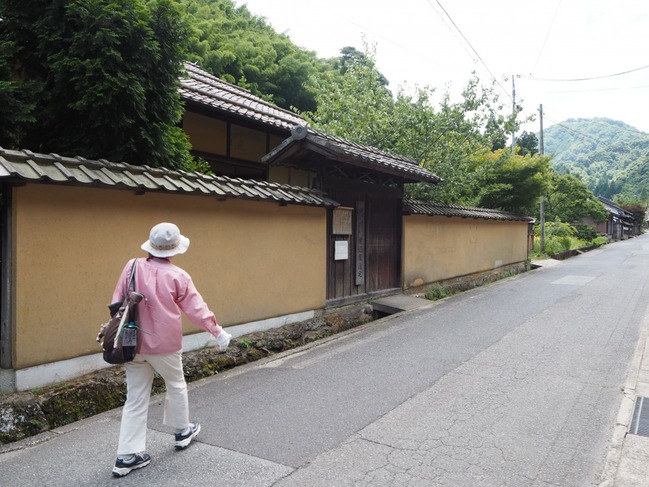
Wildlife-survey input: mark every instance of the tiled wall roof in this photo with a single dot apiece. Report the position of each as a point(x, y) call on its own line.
point(411, 207)
point(52, 168)
point(208, 90)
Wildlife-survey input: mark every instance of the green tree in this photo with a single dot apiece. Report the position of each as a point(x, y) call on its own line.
point(494, 132)
point(241, 48)
point(612, 158)
point(350, 56)
point(358, 106)
point(103, 76)
point(16, 108)
point(512, 182)
point(568, 200)
point(528, 144)
point(459, 134)
point(445, 141)
point(355, 105)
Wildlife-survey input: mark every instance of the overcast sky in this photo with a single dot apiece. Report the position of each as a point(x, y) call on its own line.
point(440, 42)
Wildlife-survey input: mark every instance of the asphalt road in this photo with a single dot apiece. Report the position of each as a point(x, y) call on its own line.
point(513, 384)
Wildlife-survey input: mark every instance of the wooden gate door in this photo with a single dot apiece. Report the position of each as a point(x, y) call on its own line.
point(366, 256)
point(383, 243)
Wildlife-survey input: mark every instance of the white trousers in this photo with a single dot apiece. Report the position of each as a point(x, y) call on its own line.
point(139, 379)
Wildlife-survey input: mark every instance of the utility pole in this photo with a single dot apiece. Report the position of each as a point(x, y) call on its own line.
point(513, 110)
point(541, 148)
point(542, 223)
point(542, 210)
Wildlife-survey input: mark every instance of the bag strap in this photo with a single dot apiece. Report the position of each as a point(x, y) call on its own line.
point(131, 279)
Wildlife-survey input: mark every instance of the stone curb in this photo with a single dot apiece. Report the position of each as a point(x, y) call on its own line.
point(626, 461)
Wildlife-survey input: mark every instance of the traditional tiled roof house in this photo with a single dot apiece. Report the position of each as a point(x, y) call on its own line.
point(241, 135)
point(619, 224)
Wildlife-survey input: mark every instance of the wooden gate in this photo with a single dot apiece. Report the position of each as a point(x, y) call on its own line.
point(364, 241)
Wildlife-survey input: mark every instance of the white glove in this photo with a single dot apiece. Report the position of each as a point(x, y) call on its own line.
point(223, 340)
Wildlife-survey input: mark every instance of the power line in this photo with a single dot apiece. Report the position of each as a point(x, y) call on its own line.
point(569, 129)
point(400, 46)
point(443, 19)
point(547, 35)
point(602, 89)
point(534, 78)
point(598, 144)
point(470, 45)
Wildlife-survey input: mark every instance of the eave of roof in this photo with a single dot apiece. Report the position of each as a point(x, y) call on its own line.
point(208, 90)
point(412, 207)
point(615, 209)
point(26, 166)
point(339, 150)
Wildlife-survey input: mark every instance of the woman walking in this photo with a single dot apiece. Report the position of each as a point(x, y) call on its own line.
point(167, 291)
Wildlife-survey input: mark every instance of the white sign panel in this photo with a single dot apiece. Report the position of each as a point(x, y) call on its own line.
point(341, 250)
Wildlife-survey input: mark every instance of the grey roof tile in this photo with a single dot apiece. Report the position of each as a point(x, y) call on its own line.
point(203, 88)
point(337, 149)
point(208, 90)
point(413, 207)
point(393, 163)
point(611, 207)
point(51, 168)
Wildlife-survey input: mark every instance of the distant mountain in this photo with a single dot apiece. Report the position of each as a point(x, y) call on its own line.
point(611, 157)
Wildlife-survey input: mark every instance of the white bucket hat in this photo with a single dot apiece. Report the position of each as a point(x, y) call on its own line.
point(165, 240)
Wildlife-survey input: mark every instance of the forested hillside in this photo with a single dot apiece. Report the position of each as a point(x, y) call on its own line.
point(72, 70)
point(612, 158)
point(232, 43)
point(56, 95)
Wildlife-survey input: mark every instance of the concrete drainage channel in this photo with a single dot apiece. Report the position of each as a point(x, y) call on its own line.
point(397, 303)
point(640, 422)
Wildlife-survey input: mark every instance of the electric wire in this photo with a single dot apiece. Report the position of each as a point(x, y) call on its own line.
point(602, 89)
point(599, 145)
point(472, 48)
point(387, 39)
point(570, 129)
point(547, 35)
point(534, 78)
point(454, 32)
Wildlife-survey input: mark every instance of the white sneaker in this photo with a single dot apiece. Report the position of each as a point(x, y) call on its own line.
point(184, 439)
point(122, 468)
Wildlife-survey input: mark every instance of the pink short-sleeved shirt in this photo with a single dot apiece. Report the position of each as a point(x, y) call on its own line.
point(167, 290)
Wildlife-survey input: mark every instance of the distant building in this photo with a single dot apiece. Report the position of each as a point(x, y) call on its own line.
point(620, 223)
